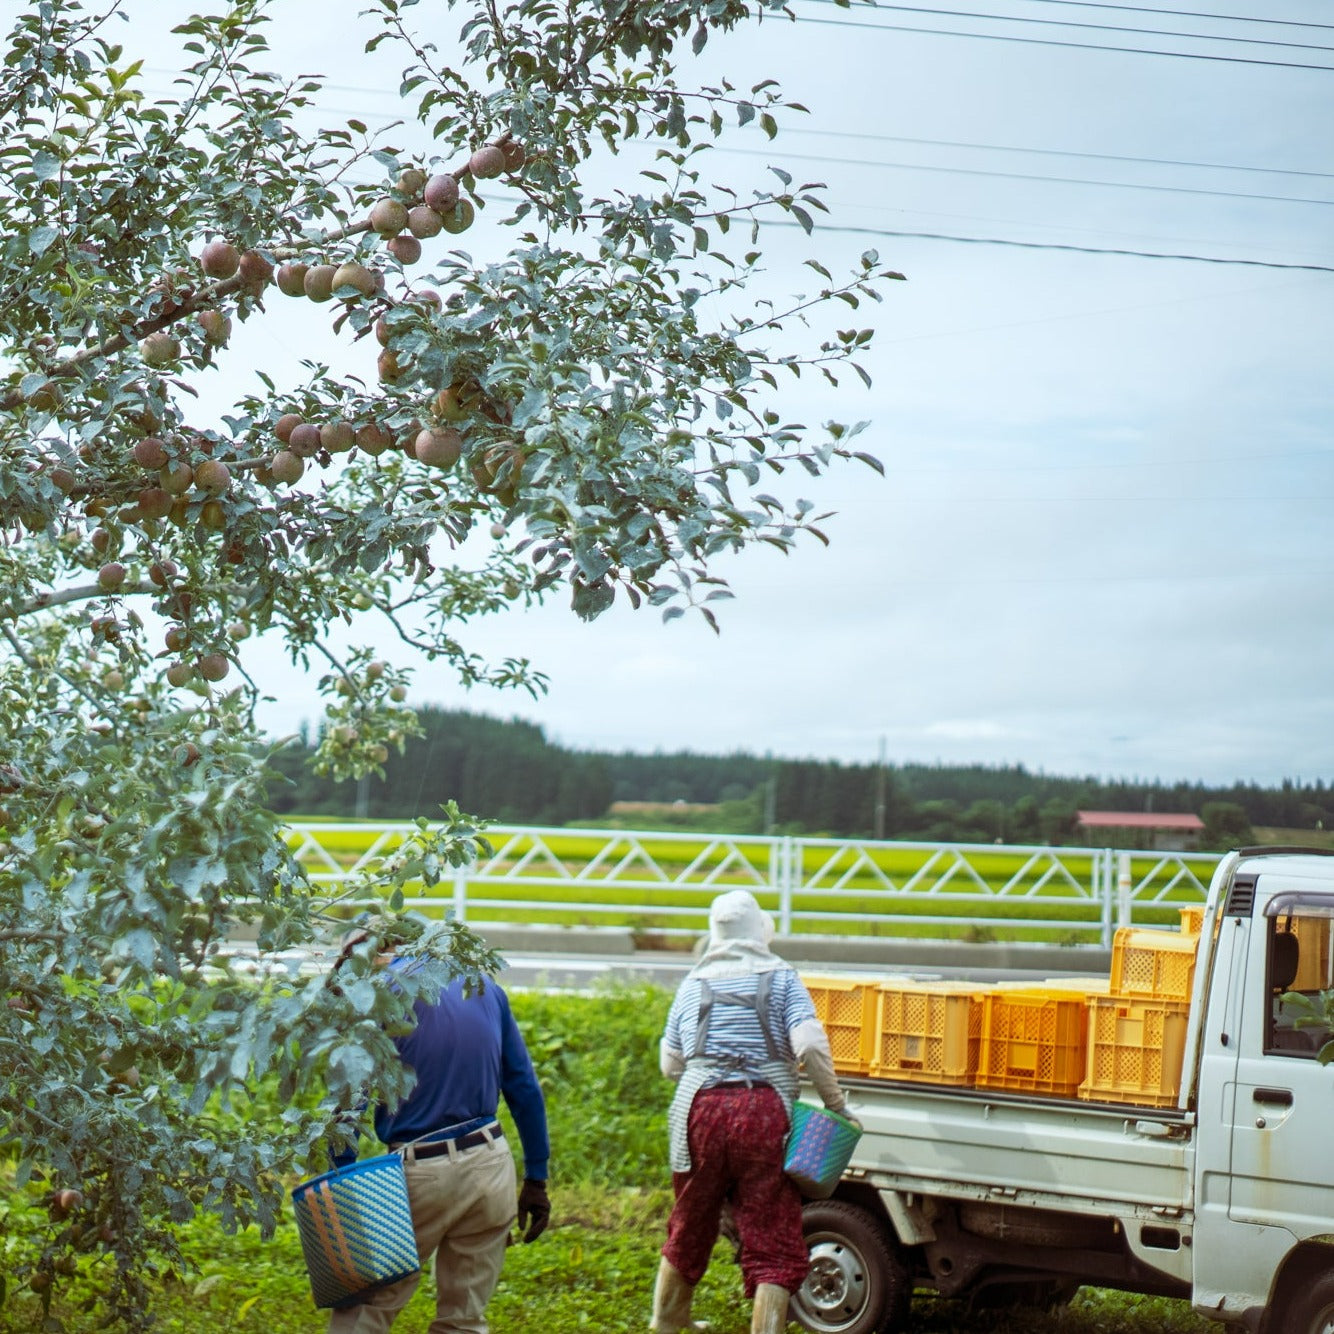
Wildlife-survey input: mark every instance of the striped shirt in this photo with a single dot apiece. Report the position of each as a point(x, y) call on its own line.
point(734, 1044)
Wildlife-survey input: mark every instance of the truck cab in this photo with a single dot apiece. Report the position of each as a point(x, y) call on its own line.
point(1225, 1199)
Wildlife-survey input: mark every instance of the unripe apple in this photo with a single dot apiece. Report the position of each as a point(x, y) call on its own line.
point(216, 326)
point(439, 447)
point(150, 452)
point(286, 467)
point(498, 530)
point(176, 638)
point(180, 674)
point(291, 279)
point(460, 217)
point(424, 222)
point(337, 437)
point(383, 333)
point(219, 259)
point(63, 480)
point(447, 405)
point(154, 503)
point(214, 666)
point(186, 754)
point(304, 440)
point(162, 572)
point(239, 630)
point(398, 694)
point(180, 511)
point(486, 162)
point(388, 217)
point(176, 478)
point(411, 182)
point(286, 424)
point(113, 680)
point(159, 349)
point(256, 270)
point(213, 477)
point(213, 516)
point(374, 670)
point(379, 754)
point(441, 193)
point(319, 282)
point(357, 277)
point(100, 540)
point(406, 248)
point(387, 366)
point(111, 576)
point(373, 439)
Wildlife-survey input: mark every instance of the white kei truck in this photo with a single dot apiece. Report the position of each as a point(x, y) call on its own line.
point(1225, 1199)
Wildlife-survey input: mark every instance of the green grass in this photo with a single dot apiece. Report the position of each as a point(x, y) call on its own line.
point(592, 1271)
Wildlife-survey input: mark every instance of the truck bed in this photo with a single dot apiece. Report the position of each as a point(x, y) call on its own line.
point(963, 1143)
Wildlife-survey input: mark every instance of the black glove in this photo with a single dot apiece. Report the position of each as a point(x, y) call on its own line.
point(534, 1209)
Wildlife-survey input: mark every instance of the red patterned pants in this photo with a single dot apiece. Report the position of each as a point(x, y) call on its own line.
point(737, 1138)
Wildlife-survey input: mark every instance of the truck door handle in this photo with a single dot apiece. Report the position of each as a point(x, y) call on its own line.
point(1279, 1097)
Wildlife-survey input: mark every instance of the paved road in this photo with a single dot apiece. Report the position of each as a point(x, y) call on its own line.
point(582, 972)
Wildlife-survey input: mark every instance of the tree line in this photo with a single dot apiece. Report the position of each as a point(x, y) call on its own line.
point(509, 771)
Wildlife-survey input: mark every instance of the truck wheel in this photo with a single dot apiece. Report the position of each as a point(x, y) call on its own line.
point(857, 1284)
point(1312, 1311)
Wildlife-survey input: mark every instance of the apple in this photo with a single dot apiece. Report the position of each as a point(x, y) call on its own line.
point(176, 478)
point(286, 466)
point(154, 503)
point(411, 182)
point(438, 447)
point(388, 217)
point(213, 666)
point(212, 477)
point(111, 576)
point(373, 439)
point(357, 277)
point(304, 440)
point(159, 349)
point(286, 424)
point(291, 279)
point(337, 437)
point(216, 326)
point(424, 222)
point(256, 270)
point(219, 259)
point(460, 217)
point(487, 162)
point(441, 192)
point(319, 281)
point(406, 248)
point(150, 452)
point(515, 155)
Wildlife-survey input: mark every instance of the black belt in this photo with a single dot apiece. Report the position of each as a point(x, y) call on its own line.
point(472, 1140)
point(737, 1084)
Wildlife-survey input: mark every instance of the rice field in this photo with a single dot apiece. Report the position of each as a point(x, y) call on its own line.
point(661, 884)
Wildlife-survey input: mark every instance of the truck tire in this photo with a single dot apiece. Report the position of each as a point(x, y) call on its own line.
point(1311, 1311)
point(858, 1283)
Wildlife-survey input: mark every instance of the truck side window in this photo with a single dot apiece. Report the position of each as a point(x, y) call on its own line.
point(1299, 960)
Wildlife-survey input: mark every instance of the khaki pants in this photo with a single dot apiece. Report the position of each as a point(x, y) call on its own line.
point(463, 1204)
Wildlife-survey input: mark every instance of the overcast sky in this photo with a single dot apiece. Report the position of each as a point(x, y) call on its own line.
point(1103, 543)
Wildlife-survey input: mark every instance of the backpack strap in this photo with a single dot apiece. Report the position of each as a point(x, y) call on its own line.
point(759, 1002)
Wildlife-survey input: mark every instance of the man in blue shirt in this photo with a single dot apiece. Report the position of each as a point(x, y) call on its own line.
point(467, 1053)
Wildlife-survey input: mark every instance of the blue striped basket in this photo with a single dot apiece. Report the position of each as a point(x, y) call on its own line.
point(818, 1149)
point(356, 1229)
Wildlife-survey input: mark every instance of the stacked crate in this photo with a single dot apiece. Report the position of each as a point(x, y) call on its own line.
point(1119, 1039)
point(1137, 1033)
point(928, 1032)
point(846, 1006)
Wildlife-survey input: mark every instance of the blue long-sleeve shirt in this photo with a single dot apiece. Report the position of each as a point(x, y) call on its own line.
point(467, 1052)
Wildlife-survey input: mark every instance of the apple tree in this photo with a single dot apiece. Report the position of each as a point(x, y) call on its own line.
point(590, 409)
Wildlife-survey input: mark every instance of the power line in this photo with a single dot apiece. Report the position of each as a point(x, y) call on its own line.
point(1073, 46)
point(1099, 27)
point(1174, 13)
point(1055, 152)
point(1027, 176)
point(1055, 245)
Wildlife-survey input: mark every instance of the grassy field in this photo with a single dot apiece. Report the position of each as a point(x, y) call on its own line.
point(659, 884)
point(593, 1270)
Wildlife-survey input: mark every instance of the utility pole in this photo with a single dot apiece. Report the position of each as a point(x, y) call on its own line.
point(880, 794)
point(770, 796)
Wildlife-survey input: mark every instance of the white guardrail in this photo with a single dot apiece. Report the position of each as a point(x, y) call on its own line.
point(660, 882)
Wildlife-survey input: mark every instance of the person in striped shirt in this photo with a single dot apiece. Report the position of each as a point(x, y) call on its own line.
point(741, 1025)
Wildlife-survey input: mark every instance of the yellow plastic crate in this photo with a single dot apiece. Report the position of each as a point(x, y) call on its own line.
point(1034, 1041)
point(1313, 954)
point(846, 1006)
point(1151, 963)
point(928, 1032)
point(1135, 1050)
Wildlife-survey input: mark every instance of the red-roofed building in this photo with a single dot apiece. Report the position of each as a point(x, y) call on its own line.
point(1175, 832)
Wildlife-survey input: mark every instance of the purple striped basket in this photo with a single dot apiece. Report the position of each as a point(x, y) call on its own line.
point(818, 1149)
point(356, 1229)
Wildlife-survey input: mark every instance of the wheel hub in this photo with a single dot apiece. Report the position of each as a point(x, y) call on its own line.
point(835, 1288)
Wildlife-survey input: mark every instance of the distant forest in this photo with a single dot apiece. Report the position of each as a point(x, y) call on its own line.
point(509, 772)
